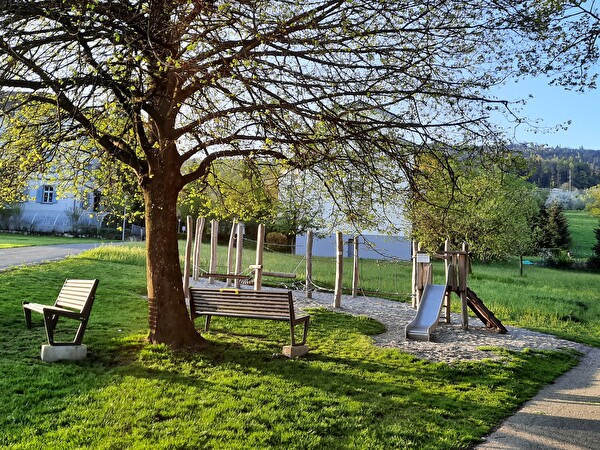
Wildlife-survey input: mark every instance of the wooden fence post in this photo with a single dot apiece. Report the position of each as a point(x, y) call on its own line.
point(355, 268)
point(339, 270)
point(449, 277)
point(463, 270)
point(197, 246)
point(309, 247)
point(260, 245)
point(414, 274)
point(238, 255)
point(230, 252)
point(214, 236)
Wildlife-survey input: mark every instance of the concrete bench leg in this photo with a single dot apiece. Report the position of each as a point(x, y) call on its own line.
point(53, 353)
point(295, 351)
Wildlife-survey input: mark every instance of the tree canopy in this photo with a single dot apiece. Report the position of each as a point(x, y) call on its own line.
point(489, 208)
point(351, 90)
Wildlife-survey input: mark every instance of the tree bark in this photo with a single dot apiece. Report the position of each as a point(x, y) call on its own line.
point(167, 313)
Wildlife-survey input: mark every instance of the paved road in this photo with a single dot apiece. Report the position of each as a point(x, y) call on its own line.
point(563, 416)
point(10, 257)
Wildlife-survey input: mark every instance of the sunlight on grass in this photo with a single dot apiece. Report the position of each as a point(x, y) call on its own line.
point(241, 393)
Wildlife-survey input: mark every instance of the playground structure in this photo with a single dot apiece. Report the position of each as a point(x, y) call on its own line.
point(234, 275)
point(431, 300)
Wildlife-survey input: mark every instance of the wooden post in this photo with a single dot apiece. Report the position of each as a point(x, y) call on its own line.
point(309, 247)
point(449, 278)
point(198, 246)
point(462, 285)
point(230, 247)
point(424, 274)
point(260, 245)
point(214, 236)
point(355, 268)
point(188, 255)
point(239, 246)
point(415, 274)
point(339, 270)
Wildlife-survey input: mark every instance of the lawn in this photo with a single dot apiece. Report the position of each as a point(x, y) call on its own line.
point(581, 226)
point(240, 394)
point(9, 240)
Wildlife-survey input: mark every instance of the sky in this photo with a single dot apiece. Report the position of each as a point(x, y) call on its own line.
point(555, 105)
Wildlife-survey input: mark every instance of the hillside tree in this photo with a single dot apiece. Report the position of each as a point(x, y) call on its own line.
point(331, 86)
point(594, 260)
point(557, 228)
point(487, 207)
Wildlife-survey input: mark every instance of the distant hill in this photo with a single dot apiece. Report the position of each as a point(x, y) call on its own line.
point(561, 167)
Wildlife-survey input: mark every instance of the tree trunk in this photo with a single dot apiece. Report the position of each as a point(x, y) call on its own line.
point(167, 313)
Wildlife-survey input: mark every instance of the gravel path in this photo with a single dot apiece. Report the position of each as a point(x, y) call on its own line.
point(449, 342)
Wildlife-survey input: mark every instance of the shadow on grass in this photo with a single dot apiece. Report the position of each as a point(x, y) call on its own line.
point(240, 393)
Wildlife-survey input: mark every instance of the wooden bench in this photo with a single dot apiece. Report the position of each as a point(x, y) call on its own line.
point(74, 301)
point(245, 303)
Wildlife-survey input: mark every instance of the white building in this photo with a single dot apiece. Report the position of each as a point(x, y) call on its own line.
point(370, 246)
point(382, 242)
point(47, 210)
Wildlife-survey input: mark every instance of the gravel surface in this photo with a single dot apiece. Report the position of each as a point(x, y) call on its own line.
point(449, 342)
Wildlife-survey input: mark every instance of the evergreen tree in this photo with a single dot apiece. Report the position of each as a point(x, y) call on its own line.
point(558, 227)
point(540, 229)
point(594, 261)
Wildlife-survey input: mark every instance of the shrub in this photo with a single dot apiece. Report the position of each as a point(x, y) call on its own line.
point(277, 242)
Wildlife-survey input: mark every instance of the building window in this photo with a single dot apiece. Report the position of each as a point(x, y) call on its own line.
point(47, 194)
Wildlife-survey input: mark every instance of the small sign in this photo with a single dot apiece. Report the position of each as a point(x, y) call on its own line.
point(423, 258)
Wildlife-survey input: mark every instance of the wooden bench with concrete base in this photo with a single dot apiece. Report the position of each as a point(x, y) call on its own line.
point(249, 304)
point(74, 301)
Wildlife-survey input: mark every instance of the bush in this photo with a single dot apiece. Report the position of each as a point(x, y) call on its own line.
point(557, 259)
point(277, 242)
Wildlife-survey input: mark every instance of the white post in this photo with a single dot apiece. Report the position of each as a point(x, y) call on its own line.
point(198, 246)
point(414, 274)
point(260, 245)
point(214, 235)
point(355, 268)
point(309, 246)
point(238, 255)
point(230, 252)
point(339, 270)
point(125, 223)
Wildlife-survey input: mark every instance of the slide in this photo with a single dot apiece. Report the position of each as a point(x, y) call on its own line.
point(428, 313)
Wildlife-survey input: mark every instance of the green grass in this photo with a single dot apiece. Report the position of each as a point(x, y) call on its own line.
point(564, 303)
point(9, 240)
point(581, 226)
point(240, 394)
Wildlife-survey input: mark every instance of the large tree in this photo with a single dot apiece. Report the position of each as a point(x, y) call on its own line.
point(337, 86)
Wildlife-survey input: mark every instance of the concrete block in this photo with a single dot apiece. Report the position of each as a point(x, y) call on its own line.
point(53, 353)
point(295, 351)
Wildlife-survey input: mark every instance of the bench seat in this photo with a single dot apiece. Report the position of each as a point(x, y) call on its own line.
point(74, 301)
point(249, 304)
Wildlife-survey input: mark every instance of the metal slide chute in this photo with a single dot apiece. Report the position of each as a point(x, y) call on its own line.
point(428, 313)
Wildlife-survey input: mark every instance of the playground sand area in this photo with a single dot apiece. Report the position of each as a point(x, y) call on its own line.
point(449, 342)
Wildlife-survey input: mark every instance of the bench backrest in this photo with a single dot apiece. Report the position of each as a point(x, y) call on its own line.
point(242, 303)
point(77, 295)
